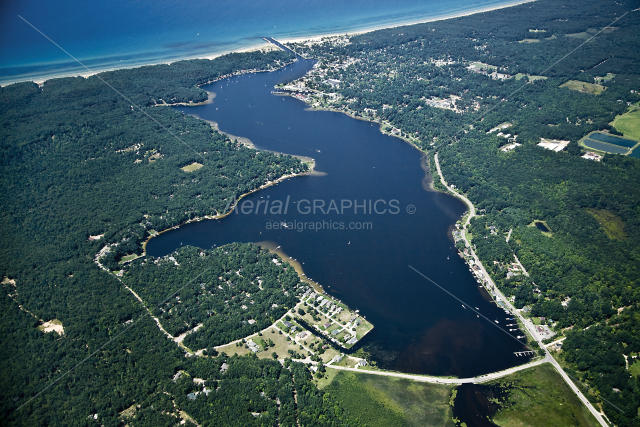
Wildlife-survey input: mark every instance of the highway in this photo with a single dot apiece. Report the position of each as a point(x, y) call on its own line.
point(548, 357)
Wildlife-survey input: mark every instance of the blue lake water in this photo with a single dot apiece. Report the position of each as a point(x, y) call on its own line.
point(612, 139)
point(607, 148)
point(378, 182)
point(118, 33)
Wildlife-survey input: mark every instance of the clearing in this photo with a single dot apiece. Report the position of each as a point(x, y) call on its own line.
point(611, 223)
point(192, 167)
point(52, 326)
point(634, 369)
point(629, 123)
point(583, 87)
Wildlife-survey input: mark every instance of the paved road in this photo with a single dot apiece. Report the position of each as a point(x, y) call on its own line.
point(492, 285)
point(472, 209)
point(437, 380)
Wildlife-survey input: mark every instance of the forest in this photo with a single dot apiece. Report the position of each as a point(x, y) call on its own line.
point(506, 70)
point(240, 290)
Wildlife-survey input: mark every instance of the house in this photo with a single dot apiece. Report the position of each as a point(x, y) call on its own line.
point(287, 324)
point(191, 396)
point(337, 358)
point(224, 367)
point(362, 363)
point(592, 156)
point(253, 346)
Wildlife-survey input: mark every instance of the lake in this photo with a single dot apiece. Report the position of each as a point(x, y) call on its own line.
point(607, 148)
point(612, 139)
point(542, 227)
point(356, 228)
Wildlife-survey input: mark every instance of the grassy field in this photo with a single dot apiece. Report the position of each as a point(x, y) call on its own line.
point(612, 224)
point(531, 78)
point(192, 167)
point(281, 347)
point(386, 401)
point(583, 87)
point(128, 258)
point(634, 367)
point(582, 35)
point(541, 398)
point(629, 123)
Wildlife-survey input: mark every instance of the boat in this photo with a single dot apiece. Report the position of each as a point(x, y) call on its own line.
point(496, 321)
point(464, 306)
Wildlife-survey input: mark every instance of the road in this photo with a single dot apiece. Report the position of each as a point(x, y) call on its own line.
point(472, 209)
point(548, 357)
point(437, 380)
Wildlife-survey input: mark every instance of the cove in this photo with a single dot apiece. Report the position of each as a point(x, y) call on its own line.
point(385, 219)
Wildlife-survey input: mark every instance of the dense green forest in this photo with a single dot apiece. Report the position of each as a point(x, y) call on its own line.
point(507, 68)
point(241, 291)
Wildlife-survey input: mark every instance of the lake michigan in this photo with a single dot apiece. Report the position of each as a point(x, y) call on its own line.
point(118, 33)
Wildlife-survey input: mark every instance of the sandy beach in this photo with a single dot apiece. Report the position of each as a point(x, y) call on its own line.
point(266, 46)
point(442, 17)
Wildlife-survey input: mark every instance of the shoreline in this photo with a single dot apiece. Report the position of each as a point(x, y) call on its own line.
point(40, 79)
point(223, 215)
point(441, 17)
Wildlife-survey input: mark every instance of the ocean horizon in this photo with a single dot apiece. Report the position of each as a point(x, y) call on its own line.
point(119, 34)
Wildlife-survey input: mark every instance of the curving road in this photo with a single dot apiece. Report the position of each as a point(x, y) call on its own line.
point(491, 284)
point(438, 380)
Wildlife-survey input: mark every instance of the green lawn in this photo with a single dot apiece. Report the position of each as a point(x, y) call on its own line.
point(634, 368)
point(541, 398)
point(128, 258)
point(375, 400)
point(629, 123)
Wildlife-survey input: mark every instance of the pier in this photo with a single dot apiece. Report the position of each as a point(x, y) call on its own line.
point(524, 353)
point(278, 44)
